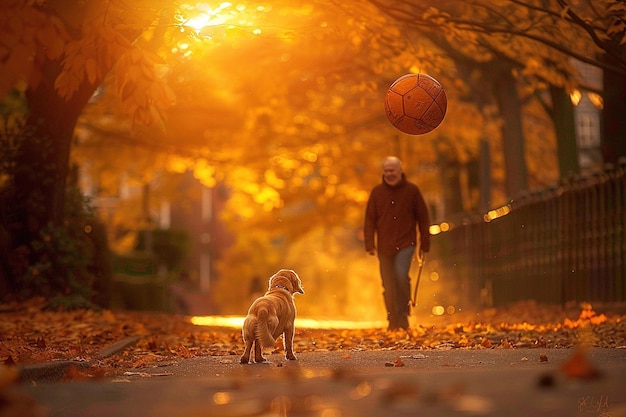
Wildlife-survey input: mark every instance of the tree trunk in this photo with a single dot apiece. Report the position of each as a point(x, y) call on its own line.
point(505, 90)
point(42, 161)
point(564, 127)
point(450, 177)
point(613, 142)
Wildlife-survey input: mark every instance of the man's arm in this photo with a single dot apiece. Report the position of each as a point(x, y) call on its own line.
point(369, 227)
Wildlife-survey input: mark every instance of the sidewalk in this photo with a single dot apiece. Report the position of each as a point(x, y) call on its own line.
point(489, 382)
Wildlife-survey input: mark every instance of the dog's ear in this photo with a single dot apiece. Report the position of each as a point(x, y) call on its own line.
point(297, 284)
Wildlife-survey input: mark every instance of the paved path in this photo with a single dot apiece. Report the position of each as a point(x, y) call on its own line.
point(494, 382)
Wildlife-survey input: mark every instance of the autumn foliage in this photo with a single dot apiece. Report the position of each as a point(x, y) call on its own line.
point(32, 335)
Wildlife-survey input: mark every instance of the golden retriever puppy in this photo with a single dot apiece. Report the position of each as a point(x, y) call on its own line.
point(272, 315)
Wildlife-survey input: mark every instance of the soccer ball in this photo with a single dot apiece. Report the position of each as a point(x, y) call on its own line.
point(416, 104)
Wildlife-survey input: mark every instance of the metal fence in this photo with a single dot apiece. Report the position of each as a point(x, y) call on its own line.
point(566, 243)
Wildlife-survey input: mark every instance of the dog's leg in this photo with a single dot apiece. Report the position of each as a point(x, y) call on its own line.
point(258, 353)
point(288, 343)
point(245, 358)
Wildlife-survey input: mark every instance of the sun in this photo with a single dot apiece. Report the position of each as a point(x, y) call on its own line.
point(204, 20)
point(202, 15)
point(207, 23)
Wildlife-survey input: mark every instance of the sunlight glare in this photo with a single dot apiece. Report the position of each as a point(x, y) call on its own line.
point(576, 96)
point(499, 212)
point(207, 16)
point(301, 323)
point(438, 310)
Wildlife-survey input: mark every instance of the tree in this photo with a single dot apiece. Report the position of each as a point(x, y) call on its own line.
point(286, 113)
point(59, 53)
point(605, 25)
point(539, 37)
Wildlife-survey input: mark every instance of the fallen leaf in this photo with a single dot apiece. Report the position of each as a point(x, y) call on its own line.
point(32, 334)
point(578, 366)
point(41, 343)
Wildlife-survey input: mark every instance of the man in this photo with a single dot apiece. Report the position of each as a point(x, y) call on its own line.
point(395, 210)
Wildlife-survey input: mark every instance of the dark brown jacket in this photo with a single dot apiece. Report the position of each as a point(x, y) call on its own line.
point(392, 215)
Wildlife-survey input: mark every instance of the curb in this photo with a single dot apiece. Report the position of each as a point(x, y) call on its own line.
point(56, 370)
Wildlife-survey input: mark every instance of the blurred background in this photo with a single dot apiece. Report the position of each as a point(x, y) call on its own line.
point(173, 156)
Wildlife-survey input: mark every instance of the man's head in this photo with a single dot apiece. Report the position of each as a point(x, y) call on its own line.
point(392, 170)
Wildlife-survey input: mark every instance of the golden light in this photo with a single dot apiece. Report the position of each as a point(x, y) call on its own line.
point(575, 96)
point(438, 310)
point(435, 229)
point(236, 322)
point(499, 212)
point(596, 100)
point(205, 173)
point(177, 164)
point(204, 16)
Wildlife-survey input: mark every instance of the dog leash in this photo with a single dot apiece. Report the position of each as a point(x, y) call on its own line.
point(420, 263)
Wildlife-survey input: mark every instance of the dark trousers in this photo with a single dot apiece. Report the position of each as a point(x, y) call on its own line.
point(394, 271)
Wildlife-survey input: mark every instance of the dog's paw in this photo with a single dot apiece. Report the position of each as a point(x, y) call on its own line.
point(244, 361)
point(290, 356)
point(260, 360)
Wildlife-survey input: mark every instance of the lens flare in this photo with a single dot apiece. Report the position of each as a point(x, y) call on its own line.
point(438, 310)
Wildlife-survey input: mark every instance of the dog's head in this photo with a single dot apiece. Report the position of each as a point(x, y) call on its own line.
point(286, 278)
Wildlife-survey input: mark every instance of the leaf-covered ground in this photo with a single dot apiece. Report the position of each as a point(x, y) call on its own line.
point(30, 335)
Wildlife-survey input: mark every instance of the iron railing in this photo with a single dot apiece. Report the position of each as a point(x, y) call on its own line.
point(562, 244)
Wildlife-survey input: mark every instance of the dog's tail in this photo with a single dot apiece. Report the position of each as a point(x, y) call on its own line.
point(264, 326)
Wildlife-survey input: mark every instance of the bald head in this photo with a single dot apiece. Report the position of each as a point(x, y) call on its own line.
point(392, 170)
point(392, 160)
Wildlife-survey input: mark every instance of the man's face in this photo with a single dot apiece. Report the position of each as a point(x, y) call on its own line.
point(392, 172)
